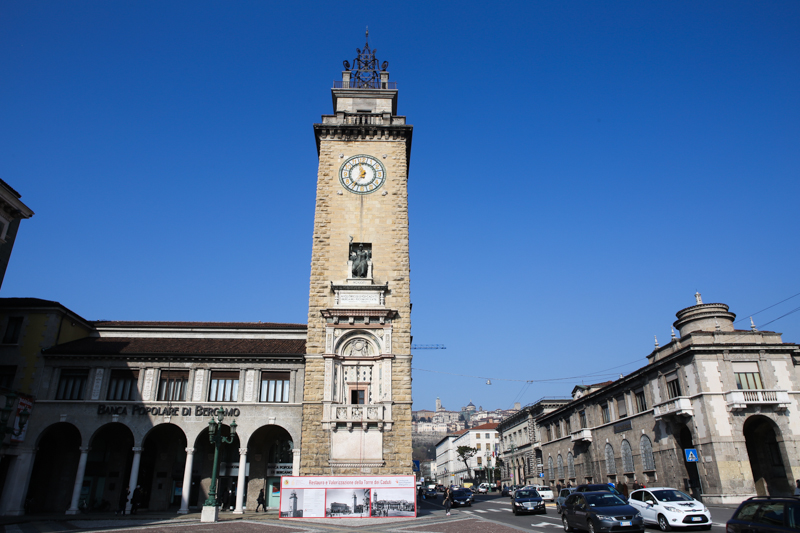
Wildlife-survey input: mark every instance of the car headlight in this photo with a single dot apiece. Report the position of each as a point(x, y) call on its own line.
point(637, 515)
point(673, 509)
point(604, 517)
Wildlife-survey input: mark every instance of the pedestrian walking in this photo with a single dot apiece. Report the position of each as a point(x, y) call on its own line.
point(448, 495)
point(797, 488)
point(136, 499)
point(123, 500)
point(261, 501)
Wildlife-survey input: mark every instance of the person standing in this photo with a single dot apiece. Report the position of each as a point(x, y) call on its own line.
point(261, 501)
point(136, 499)
point(123, 500)
point(797, 488)
point(448, 496)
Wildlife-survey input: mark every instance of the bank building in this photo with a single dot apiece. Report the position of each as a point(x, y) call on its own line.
point(94, 408)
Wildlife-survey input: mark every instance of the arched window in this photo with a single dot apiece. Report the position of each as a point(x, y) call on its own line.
point(550, 468)
point(627, 457)
point(646, 447)
point(570, 465)
point(560, 467)
point(611, 468)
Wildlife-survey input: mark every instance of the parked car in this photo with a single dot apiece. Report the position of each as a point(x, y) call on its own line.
point(527, 500)
point(545, 491)
point(670, 508)
point(597, 512)
point(483, 488)
point(463, 497)
point(562, 497)
point(504, 491)
point(761, 514)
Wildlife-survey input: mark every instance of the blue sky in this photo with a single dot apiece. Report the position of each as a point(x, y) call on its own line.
point(578, 171)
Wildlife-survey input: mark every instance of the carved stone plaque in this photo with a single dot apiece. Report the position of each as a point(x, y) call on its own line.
point(359, 298)
point(148, 384)
point(98, 382)
point(199, 375)
point(250, 377)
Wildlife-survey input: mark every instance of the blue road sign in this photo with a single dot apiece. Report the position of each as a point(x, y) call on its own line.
point(416, 466)
point(691, 455)
point(541, 474)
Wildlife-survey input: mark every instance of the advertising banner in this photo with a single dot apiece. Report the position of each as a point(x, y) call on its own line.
point(348, 496)
point(24, 403)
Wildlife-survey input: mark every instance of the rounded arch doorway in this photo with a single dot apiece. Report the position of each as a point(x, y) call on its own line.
point(270, 454)
point(161, 469)
point(226, 474)
point(766, 453)
point(54, 469)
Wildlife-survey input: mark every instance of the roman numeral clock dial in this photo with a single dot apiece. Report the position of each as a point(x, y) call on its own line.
point(362, 174)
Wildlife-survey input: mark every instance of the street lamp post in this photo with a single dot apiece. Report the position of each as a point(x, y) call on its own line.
point(210, 509)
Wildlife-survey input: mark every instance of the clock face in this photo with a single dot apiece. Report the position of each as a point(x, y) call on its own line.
point(362, 174)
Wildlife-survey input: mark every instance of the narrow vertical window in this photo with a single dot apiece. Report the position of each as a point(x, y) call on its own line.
point(172, 385)
point(274, 387)
point(71, 384)
point(123, 385)
point(673, 386)
point(641, 402)
point(13, 330)
point(224, 387)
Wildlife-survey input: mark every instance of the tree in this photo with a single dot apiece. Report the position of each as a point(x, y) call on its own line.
point(464, 454)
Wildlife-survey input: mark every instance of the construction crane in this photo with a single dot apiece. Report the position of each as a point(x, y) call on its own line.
point(428, 347)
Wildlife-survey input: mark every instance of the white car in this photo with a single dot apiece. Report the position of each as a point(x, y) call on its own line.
point(545, 492)
point(669, 508)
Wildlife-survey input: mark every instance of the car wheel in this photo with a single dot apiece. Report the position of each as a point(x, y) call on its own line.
point(470, 504)
point(567, 527)
point(663, 523)
point(558, 508)
point(590, 526)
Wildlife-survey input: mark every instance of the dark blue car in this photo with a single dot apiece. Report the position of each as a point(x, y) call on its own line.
point(600, 512)
point(527, 501)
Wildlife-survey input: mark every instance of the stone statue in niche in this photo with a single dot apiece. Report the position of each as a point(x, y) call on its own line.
point(360, 256)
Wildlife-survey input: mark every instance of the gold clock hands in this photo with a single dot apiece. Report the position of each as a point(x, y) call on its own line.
point(363, 173)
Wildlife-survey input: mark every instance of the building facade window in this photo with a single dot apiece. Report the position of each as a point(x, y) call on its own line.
point(548, 434)
point(71, 384)
point(582, 416)
point(571, 465)
point(479, 461)
point(558, 429)
point(13, 330)
point(550, 467)
point(627, 457)
point(622, 408)
point(673, 387)
point(122, 386)
point(478, 446)
point(611, 467)
point(224, 387)
point(568, 427)
point(646, 449)
point(641, 402)
point(606, 413)
point(275, 387)
point(560, 463)
point(7, 373)
point(172, 385)
point(747, 376)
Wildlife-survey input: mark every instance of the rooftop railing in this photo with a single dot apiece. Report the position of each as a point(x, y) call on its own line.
point(338, 84)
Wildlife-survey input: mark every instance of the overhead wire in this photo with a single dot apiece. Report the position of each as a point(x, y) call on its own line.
point(604, 372)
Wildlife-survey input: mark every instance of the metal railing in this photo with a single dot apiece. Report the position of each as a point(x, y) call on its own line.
point(338, 84)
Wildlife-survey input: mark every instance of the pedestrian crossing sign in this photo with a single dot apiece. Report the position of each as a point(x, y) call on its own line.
point(691, 455)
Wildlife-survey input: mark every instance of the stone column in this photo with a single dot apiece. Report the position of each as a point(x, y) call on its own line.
point(296, 461)
point(16, 485)
point(187, 481)
point(76, 490)
point(240, 482)
point(134, 479)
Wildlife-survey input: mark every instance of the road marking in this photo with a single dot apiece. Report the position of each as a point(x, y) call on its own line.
point(544, 524)
point(480, 511)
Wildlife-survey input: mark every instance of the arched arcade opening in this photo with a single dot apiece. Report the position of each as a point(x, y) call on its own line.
point(767, 455)
point(54, 469)
point(270, 456)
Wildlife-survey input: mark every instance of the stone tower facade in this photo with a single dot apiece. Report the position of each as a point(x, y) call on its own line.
point(357, 394)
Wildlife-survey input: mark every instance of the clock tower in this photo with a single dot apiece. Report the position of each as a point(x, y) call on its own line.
point(357, 393)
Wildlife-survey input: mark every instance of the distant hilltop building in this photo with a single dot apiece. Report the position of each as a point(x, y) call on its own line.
point(442, 421)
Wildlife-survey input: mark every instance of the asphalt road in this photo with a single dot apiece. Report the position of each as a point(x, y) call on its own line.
point(498, 509)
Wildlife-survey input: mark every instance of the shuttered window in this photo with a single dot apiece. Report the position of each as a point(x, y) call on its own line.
point(224, 387)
